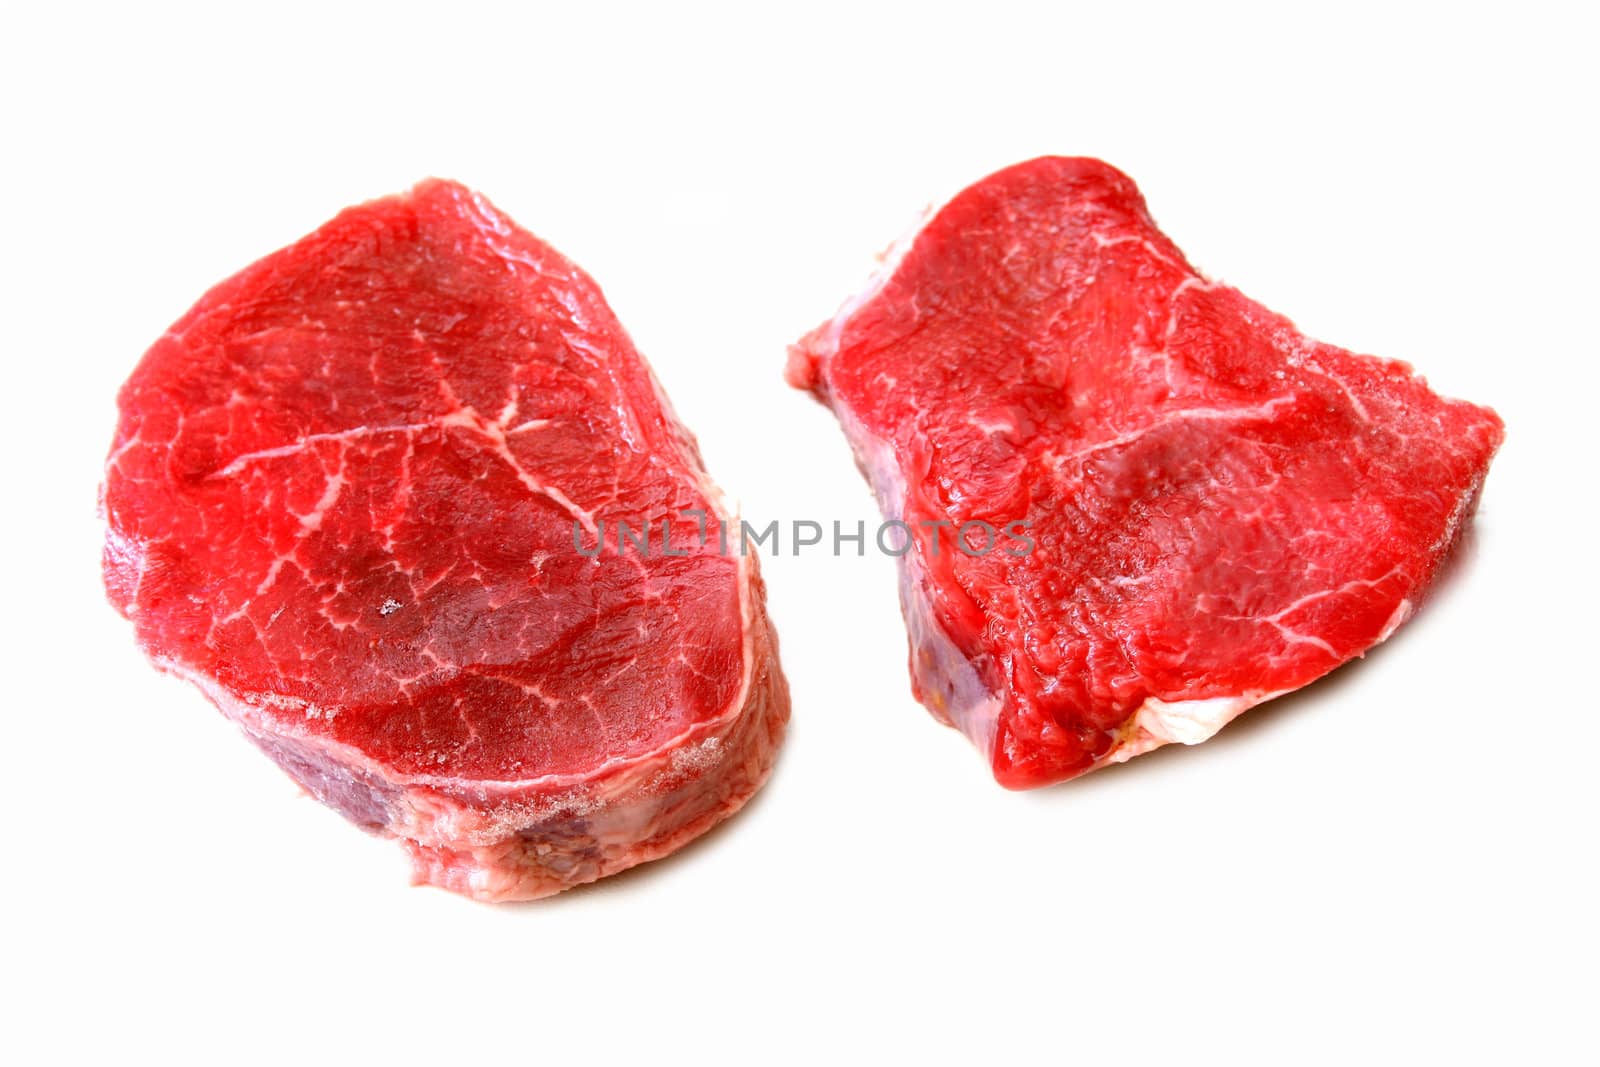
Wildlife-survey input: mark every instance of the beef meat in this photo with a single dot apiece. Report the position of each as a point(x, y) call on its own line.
point(1219, 509)
point(354, 497)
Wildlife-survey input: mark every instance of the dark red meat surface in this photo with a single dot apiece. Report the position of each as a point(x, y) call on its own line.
point(1222, 509)
point(342, 500)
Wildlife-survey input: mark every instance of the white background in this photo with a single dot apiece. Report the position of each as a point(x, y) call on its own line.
point(1396, 864)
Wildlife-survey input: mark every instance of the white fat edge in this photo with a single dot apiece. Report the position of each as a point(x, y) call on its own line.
point(1402, 612)
point(1191, 722)
point(1185, 722)
point(489, 882)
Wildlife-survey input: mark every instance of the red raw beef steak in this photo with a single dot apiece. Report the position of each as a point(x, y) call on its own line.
point(346, 499)
point(1220, 509)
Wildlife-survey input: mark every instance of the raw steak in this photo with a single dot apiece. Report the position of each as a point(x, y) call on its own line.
point(347, 498)
point(1220, 509)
